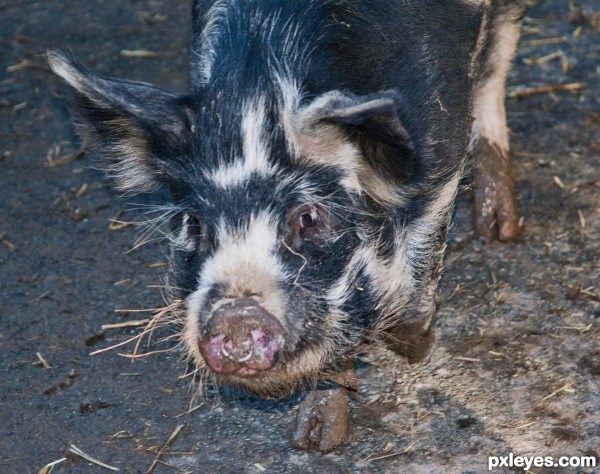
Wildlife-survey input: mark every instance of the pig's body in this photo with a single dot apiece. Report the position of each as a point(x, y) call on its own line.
point(313, 169)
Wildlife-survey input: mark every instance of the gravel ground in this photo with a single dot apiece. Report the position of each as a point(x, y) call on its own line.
point(516, 364)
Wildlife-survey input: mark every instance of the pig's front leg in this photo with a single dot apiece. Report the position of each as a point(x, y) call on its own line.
point(323, 421)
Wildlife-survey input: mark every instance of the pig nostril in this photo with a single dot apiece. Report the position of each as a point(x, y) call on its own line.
point(237, 353)
point(246, 357)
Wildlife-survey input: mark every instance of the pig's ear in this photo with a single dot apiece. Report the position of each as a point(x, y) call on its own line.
point(372, 124)
point(373, 116)
point(140, 132)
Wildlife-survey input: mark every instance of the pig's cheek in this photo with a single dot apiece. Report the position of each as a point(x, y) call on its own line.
point(323, 421)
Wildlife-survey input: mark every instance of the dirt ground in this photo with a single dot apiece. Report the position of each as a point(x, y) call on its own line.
point(516, 365)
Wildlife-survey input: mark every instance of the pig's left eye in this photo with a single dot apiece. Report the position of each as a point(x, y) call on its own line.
point(305, 223)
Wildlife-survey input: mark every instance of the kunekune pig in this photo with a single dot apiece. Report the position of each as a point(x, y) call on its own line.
point(313, 169)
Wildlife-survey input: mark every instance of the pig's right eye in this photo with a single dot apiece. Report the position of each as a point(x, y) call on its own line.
point(189, 233)
point(194, 227)
point(193, 233)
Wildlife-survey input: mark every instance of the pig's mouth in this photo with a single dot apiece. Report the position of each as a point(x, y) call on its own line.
point(242, 339)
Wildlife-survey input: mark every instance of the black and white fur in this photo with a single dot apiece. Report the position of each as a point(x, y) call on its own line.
point(315, 162)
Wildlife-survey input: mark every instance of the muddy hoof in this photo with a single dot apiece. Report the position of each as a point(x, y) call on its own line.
point(411, 341)
point(494, 211)
point(495, 215)
point(323, 421)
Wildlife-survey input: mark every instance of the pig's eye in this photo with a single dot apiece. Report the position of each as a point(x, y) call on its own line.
point(193, 236)
point(305, 223)
point(308, 219)
point(194, 227)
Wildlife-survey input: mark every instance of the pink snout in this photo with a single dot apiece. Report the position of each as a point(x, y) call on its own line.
point(242, 339)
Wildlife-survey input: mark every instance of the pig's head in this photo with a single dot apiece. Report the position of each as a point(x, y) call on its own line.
point(301, 225)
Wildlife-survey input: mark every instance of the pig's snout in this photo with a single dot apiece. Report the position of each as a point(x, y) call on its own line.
point(241, 339)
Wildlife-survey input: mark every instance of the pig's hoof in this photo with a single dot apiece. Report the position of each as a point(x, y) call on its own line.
point(495, 213)
point(323, 421)
point(411, 341)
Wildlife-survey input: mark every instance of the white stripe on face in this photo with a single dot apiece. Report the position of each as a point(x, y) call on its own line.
point(255, 140)
point(246, 263)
